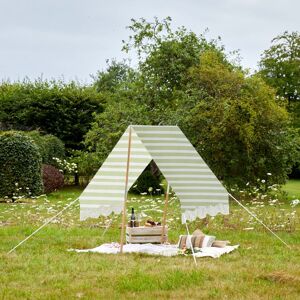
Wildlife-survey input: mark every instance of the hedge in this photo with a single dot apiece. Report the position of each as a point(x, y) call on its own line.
point(49, 146)
point(20, 161)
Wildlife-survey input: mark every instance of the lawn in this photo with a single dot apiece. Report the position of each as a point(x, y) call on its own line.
point(42, 268)
point(293, 188)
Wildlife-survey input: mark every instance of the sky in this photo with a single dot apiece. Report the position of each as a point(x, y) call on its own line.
point(72, 39)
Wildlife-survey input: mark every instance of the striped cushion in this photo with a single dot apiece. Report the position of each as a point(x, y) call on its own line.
point(198, 241)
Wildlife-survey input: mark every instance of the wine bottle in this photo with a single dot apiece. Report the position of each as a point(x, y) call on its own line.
point(132, 217)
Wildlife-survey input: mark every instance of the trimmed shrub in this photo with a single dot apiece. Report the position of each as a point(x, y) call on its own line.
point(52, 179)
point(38, 139)
point(145, 181)
point(49, 146)
point(20, 162)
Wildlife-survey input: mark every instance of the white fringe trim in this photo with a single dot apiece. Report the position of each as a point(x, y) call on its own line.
point(190, 215)
point(201, 212)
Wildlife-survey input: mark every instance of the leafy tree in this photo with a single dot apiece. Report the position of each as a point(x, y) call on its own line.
point(117, 76)
point(110, 125)
point(165, 57)
point(280, 67)
point(233, 120)
point(87, 162)
point(237, 125)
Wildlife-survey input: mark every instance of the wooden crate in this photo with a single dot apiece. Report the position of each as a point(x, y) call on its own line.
point(144, 234)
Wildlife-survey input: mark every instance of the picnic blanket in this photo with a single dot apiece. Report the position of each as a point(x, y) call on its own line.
point(153, 249)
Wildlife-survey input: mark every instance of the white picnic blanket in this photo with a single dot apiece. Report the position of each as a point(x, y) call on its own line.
point(215, 252)
point(152, 249)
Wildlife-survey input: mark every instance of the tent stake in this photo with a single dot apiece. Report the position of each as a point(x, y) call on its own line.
point(165, 215)
point(126, 192)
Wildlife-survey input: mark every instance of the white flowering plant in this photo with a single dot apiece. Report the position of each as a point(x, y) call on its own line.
point(65, 167)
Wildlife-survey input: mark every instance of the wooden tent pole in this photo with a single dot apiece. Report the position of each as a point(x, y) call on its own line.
point(126, 192)
point(165, 214)
point(190, 238)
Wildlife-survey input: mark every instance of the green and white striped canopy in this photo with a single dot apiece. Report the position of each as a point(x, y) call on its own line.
point(199, 190)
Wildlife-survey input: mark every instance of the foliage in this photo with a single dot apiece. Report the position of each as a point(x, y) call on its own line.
point(55, 148)
point(183, 79)
point(117, 76)
point(280, 65)
point(148, 95)
point(165, 57)
point(110, 125)
point(66, 167)
point(147, 183)
point(280, 68)
point(87, 162)
point(20, 163)
point(53, 179)
point(64, 110)
point(237, 125)
point(50, 147)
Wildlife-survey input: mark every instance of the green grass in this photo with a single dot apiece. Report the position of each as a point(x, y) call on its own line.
point(42, 268)
point(292, 187)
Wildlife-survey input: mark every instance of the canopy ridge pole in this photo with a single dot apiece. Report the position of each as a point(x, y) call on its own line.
point(126, 191)
point(254, 216)
point(190, 238)
point(46, 223)
point(165, 214)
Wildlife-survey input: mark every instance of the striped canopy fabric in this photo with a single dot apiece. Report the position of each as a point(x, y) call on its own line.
point(198, 189)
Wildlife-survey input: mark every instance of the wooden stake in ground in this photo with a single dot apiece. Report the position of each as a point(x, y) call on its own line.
point(126, 192)
point(165, 215)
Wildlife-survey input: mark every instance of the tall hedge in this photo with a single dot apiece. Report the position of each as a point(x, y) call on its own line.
point(20, 165)
point(62, 109)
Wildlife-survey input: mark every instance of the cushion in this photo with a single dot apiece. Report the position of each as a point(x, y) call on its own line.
point(198, 241)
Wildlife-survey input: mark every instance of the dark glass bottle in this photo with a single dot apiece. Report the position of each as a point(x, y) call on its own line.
point(132, 218)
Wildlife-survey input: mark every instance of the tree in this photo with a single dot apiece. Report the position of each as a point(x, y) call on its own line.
point(110, 125)
point(237, 125)
point(165, 57)
point(117, 76)
point(232, 119)
point(280, 68)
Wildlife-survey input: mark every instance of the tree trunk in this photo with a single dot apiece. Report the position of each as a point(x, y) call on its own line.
point(76, 179)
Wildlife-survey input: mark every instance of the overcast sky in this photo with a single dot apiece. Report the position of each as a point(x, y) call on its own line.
point(72, 39)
